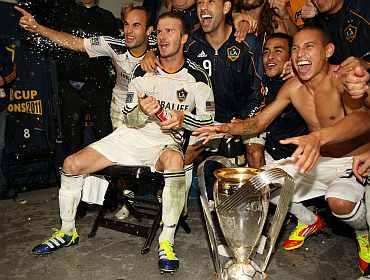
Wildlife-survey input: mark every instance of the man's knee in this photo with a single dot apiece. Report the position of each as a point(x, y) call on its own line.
point(172, 159)
point(72, 165)
point(339, 206)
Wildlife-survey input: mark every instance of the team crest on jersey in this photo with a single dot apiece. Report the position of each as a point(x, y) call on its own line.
point(181, 95)
point(350, 32)
point(94, 41)
point(233, 53)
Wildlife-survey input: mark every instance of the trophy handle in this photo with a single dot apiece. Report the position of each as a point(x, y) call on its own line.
point(207, 211)
point(286, 193)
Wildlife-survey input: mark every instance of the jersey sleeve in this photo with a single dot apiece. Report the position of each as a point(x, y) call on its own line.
point(98, 46)
point(204, 108)
point(132, 115)
point(254, 96)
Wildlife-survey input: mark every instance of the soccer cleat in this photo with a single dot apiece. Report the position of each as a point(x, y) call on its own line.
point(58, 240)
point(301, 232)
point(363, 253)
point(168, 262)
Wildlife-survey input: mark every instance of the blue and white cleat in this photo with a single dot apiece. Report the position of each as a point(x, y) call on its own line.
point(168, 262)
point(58, 240)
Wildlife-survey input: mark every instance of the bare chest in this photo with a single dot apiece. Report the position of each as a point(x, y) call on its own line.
point(320, 109)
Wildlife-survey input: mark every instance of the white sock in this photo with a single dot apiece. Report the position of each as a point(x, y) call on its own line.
point(173, 199)
point(188, 179)
point(357, 218)
point(301, 212)
point(69, 198)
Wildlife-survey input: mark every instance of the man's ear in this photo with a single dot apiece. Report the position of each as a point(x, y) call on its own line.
point(149, 30)
point(184, 38)
point(329, 49)
point(227, 7)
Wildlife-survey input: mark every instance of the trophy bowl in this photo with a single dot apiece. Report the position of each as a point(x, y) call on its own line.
point(241, 210)
point(238, 211)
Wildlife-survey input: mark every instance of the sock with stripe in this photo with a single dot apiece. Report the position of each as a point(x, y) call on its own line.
point(357, 218)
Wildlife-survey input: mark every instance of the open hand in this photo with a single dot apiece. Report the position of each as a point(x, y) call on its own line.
point(307, 152)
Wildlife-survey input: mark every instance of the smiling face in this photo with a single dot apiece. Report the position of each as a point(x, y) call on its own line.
point(135, 29)
point(275, 54)
point(169, 37)
point(310, 53)
point(211, 13)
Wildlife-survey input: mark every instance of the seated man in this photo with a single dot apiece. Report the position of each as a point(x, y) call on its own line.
point(181, 87)
point(319, 96)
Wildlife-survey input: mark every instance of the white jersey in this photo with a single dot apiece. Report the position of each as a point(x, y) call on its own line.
point(141, 140)
point(187, 90)
point(124, 62)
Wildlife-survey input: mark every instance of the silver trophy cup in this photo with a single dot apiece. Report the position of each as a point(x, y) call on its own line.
point(241, 203)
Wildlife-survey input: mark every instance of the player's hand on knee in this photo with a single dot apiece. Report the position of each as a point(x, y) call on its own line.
point(307, 152)
point(148, 104)
point(27, 21)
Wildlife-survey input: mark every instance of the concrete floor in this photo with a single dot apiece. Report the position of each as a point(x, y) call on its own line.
point(113, 255)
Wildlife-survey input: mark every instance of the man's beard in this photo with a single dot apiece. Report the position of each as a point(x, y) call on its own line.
point(250, 5)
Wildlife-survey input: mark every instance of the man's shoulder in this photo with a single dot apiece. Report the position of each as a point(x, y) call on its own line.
point(197, 72)
point(117, 43)
point(291, 87)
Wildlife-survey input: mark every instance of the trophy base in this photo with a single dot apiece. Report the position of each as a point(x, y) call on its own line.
point(242, 271)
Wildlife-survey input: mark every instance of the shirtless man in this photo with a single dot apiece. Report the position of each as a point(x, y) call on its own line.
point(319, 96)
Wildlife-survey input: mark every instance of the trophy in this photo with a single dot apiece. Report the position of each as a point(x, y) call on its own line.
point(241, 202)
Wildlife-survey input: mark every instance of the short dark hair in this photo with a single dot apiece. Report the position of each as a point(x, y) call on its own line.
point(175, 15)
point(325, 36)
point(143, 9)
point(284, 36)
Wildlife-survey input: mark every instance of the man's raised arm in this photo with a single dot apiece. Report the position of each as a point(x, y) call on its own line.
point(28, 22)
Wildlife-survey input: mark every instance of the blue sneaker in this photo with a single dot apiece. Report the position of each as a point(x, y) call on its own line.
point(168, 262)
point(58, 240)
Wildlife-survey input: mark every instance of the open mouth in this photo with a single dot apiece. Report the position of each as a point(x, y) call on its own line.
point(163, 45)
point(206, 19)
point(130, 38)
point(270, 65)
point(303, 66)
